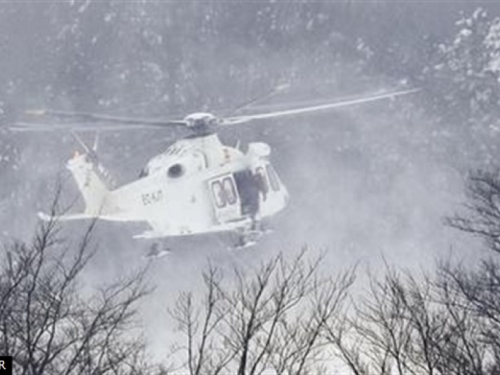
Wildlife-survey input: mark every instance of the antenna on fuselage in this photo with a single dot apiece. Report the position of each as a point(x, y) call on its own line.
point(81, 142)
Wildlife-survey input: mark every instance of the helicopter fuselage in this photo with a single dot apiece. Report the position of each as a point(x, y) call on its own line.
point(198, 185)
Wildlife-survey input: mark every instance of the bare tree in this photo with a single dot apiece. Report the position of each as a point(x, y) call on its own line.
point(283, 317)
point(471, 300)
point(375, 335)
point(271, 318)
point(49, 326)
point(475, 290)
point(410, 325)
point(482, 210)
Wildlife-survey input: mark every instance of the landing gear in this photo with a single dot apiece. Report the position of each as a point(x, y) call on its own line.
point(249, 237)
point(246, 239)
point(157, 250)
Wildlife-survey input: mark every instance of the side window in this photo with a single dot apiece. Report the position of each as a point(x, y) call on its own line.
point(218, 193)
point(175, 171)
point(273, 178)
point(224, 192)
point(228, 185)
point(262, 174)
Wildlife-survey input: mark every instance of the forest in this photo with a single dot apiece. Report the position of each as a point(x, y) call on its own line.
point(386, 260)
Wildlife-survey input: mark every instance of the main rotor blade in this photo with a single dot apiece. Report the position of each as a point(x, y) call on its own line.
point(272, 92)
point(246, 118)
point(93, 126)
point(108, 118)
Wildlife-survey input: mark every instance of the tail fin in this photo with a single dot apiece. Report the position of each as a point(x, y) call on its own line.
point(91, 180)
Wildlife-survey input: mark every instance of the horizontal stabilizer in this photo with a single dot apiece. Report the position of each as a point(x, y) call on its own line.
point(46, 217)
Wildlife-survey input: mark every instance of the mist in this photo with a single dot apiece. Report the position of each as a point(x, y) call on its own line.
point(368, 184)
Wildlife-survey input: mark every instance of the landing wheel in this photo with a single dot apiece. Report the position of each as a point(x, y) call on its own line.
point(157, 250)
point(246, 239)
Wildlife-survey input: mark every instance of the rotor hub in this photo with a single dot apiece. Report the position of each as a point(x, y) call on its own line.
point(200, 121)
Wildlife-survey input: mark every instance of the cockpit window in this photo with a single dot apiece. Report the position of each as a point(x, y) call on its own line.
point(175, 171)
point(273, 178)
point(263, 180)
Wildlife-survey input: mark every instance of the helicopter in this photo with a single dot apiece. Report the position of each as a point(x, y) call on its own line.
point(198, 185)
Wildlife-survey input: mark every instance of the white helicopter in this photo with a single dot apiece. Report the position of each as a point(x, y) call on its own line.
point(197, 186)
